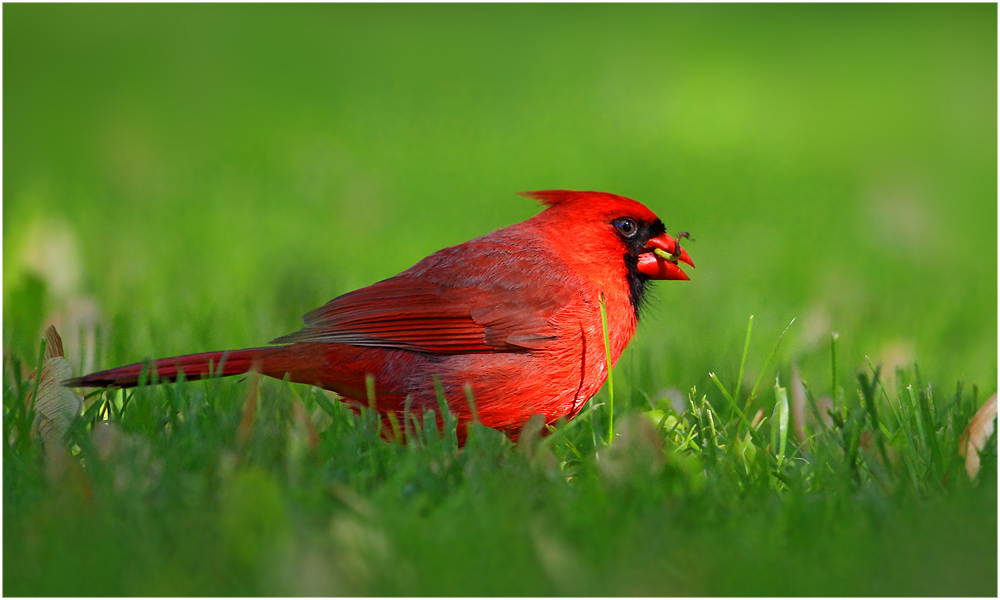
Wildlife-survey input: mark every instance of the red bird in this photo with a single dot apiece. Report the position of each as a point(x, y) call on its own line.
point(515, 314)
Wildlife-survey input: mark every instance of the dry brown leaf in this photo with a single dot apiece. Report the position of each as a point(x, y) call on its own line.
point(979, 430)
point(53, 344)
point(56, 405)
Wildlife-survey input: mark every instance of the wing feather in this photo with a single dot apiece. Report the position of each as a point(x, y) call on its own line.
point(503, 300)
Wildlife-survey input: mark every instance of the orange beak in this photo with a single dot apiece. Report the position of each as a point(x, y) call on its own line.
point(663, 264)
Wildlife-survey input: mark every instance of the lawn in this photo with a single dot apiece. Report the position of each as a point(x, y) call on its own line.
point(188, 178)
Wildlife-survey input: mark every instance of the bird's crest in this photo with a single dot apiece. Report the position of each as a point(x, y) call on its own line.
point(556, 197)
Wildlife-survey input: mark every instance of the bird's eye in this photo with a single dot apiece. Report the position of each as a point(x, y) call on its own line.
point(626, 226)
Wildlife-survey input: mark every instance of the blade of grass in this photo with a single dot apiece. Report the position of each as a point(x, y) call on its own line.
point(753, 392)
point(448, 431)
point(743, 361)
point(868, 392)
point(611, 380)
point(412, 438)
point(472, 410)
point(430, 427)
point(736, 407)
point(324, 403)
point(780, 435)
point(556, 433)
point(919, 452)
point(820, 423)
point(397, 434)
point(930, 431)
point(708, 450)
point(372, 405)
point(472, 402)
point(834, 388)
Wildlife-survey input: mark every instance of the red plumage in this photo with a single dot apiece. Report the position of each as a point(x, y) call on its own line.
point(515, 314)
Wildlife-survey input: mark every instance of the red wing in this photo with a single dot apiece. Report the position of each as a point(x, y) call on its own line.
point(448, 303)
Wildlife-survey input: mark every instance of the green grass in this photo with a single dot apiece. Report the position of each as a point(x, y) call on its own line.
point(191, 178)
point(185, 500)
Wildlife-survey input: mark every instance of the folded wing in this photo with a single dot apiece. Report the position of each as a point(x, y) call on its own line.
point(500, 300)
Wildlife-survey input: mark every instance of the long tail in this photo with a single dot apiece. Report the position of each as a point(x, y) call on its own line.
point(194, 366)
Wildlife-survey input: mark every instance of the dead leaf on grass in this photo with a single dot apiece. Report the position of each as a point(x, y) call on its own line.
point(56, 405)
point(979, 430)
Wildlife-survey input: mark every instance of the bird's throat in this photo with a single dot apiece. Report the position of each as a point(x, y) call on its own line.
point(636, 283)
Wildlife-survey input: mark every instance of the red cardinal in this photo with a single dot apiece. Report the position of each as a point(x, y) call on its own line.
point(515, 314)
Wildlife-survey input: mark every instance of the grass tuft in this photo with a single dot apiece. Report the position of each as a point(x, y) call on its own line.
point(201, 499)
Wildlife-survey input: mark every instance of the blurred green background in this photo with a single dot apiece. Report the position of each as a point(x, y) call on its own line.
point(196, 177)
point(184, 178)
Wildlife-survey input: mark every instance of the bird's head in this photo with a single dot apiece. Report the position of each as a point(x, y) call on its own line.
point(649, 250)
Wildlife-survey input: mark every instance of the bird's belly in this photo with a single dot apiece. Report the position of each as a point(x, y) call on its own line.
point(510, 388)
point(507, 388)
